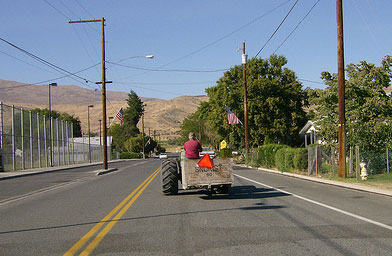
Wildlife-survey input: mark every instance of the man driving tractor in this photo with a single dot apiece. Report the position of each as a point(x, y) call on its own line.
point(192, 147)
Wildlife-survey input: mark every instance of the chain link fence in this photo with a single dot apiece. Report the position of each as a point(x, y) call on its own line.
point(31, 140)
point(324, 161)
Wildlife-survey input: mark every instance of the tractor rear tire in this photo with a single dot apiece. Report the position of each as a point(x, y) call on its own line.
point(224, 189)
point(169, 174)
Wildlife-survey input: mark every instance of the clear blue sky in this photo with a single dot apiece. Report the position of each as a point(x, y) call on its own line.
point(178, 32)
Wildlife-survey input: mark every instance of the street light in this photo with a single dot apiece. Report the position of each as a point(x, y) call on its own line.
point(50, 125)
point(88, 121)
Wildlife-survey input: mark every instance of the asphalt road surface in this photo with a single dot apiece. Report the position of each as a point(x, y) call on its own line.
point(75, 212)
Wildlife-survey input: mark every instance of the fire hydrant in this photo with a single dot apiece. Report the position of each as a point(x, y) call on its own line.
point(363, 165)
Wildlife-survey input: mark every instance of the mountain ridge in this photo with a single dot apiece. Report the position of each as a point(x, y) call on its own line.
point(163, 116)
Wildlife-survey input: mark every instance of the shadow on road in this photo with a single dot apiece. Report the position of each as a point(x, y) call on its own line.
point(245, 192)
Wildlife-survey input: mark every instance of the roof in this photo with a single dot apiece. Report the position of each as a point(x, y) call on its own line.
point(309, 127)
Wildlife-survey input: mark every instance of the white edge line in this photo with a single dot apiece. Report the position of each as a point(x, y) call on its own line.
point(321, 204)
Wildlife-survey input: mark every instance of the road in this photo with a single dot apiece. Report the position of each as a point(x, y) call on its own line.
point(124, 213)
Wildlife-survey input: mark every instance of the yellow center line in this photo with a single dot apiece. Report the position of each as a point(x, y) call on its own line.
point(87, 236)
point(108, 227)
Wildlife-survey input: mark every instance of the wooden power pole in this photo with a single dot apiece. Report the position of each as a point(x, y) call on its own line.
point(341, 125)
point(244, 62)
point(103, 82)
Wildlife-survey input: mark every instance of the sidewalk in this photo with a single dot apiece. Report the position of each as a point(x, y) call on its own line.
point(325, 181)
point(35, 171)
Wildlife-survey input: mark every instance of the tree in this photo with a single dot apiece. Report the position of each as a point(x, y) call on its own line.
point(368, 107)
point(77, 128)
point(132, 114)
point(198, 123)
point(275, 103)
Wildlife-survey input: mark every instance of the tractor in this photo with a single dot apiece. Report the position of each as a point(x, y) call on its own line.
point(215, 175)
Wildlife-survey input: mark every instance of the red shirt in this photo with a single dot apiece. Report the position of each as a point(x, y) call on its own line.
point(192, 149)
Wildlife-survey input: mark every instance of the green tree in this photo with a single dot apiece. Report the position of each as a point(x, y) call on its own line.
point(77, 128)
point(275, 103)
point(368, 107)
point(198, 123)
point(132, 114)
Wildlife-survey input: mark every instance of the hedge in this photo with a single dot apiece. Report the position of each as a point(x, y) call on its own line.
point(288, 159)
point(130, 155)
point(301, 159)
point(225, 153)
point(267, 153)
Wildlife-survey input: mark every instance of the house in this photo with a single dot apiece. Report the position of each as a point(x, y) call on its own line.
point(309, 133)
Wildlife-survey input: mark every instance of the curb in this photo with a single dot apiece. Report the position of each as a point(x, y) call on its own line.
point(324, 181)
point(103, 171)
point(30, 172)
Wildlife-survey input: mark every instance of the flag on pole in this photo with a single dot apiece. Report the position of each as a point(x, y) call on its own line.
point(120, 116)
point(148, 142)
point(231, 117)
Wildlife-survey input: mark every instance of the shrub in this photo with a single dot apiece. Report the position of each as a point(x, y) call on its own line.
point(130, 155)
point(266, 154)
point(284, 159)
point(225, 153)
point(301, 159)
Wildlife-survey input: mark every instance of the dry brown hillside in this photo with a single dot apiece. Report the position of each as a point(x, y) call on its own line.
point(164, 116)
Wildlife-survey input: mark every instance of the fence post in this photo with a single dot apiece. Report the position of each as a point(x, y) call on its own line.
point(45, 145)
point(51, 141)
point(73, 145)
point(1, 138)
point(66, 133)
point(358, 168)
point(333, 161)
point(39, 142)
point(31, 139)
point(318, 160)
point(22, 138)
point(351, 163)
point(13, 137)
point(387, 159)
point(62, 138)
point(58, 142)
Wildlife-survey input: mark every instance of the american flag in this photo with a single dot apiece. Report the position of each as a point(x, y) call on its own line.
point(231, 117)
point(120, 116)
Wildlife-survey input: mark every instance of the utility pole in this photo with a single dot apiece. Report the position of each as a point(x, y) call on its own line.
point(341, 125)
point(103, 82)
point(50, 125)
point(244, 62)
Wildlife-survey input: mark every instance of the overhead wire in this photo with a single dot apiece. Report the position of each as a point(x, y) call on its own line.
point(155, 90)
point(56, 9)
point(169, 70)
point(50, 80)
point(25, 62)
point(299, 23)
point(47, 63)
point(219, 39)
point(276, 30)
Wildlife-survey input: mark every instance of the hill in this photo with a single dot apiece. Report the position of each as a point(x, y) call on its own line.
point(164, 116)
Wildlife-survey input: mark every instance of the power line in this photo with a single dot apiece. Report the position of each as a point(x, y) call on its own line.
point(169, 70)
point(47, 63)
point(50, 80)
point(154, 90)
point(276, 30)
point(57, 9)
point(219, 39)
point(25, 62)
point(297, 26)
point(310, 81)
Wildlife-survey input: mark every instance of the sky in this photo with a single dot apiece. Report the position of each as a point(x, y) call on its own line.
point(193, 42)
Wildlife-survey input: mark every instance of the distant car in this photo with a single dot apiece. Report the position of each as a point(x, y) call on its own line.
point(207, 151)
point(163, 156)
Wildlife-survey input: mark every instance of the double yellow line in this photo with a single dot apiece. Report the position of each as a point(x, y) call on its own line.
point(128, 201)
